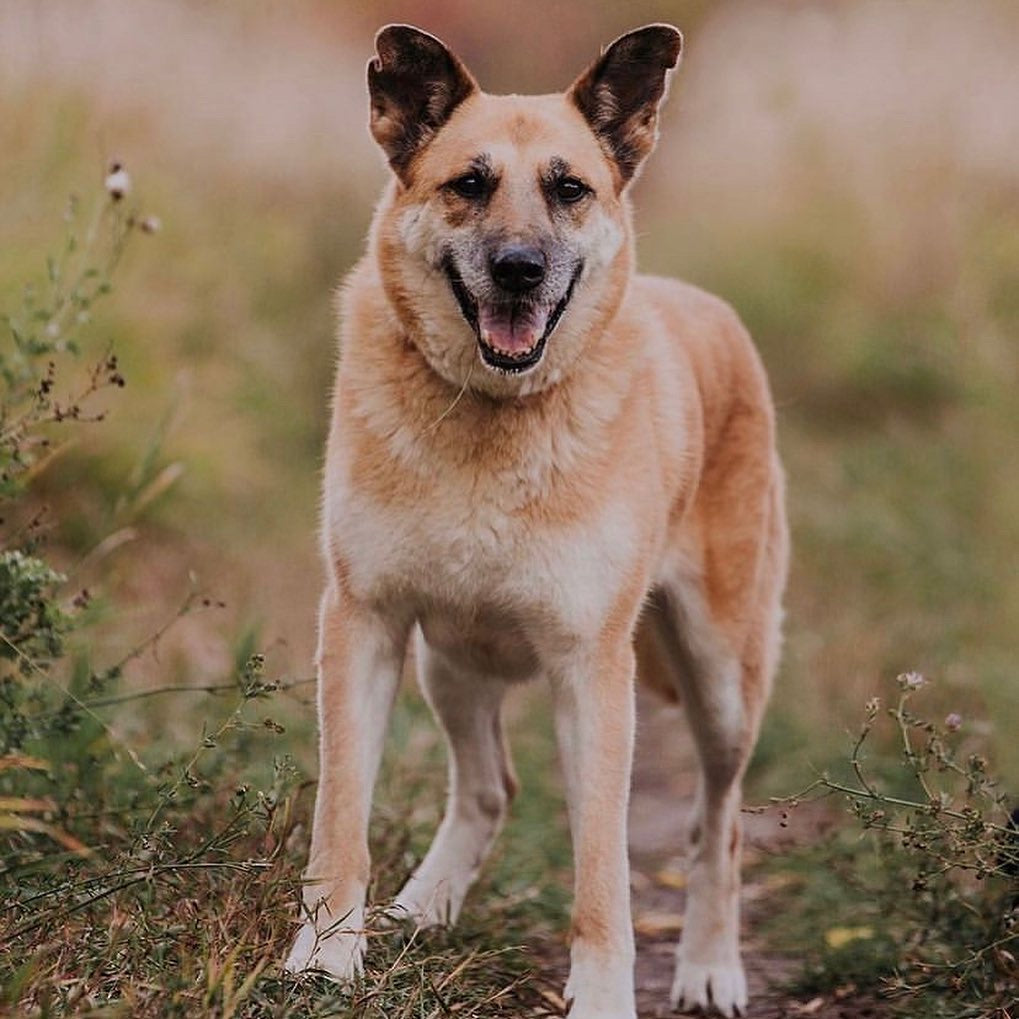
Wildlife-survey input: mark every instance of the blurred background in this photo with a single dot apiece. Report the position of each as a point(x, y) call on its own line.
point(846, 174)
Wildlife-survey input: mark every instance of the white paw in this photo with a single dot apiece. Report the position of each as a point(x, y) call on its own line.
point(428, 902)
point(338, 953)
point(599, 995)
point(718, 986)
point(599, 1010)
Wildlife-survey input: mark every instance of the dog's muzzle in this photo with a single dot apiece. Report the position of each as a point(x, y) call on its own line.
point(511, 332)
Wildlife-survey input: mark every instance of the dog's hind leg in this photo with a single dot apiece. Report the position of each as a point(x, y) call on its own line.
point(726, 662)
point(481, 784)
point(709, 971)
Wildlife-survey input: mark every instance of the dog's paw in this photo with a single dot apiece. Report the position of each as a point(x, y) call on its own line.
point(599, 995)
point(600, 1010)
point(719, 987)
point(428, 902)
point(338, 954)
point(582, 1009)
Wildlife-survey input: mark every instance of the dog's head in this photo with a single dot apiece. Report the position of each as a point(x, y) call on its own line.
point(504, 241)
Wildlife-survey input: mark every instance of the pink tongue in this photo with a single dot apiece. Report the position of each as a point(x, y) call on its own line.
point(509, 330)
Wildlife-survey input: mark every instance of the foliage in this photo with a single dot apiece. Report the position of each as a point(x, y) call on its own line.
point(37, 352)
point(32, 622)
point(926, 904)
point(41, 335)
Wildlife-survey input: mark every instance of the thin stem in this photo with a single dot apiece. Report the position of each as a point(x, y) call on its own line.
point(115, 740)
point(864, 794)
point(857, 766)
point(211, 689)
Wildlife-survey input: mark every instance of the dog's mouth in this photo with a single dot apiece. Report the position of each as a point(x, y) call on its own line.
point(511, 334)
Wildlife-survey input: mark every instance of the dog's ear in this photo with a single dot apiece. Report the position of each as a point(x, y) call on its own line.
point(619, 93)
point(415, 83)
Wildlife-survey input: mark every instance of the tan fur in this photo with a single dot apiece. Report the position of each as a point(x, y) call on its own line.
point(519, 524)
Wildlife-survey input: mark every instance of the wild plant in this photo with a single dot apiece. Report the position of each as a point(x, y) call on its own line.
point(935, 872)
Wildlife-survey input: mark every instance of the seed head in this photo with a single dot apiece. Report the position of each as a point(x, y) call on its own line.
point(117, 182)
point(912, 681)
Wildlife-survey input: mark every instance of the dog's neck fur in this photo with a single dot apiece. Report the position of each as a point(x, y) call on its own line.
point(385, 371)
point(417, 431)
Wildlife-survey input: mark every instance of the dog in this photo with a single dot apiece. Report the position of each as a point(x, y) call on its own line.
point(540, 464)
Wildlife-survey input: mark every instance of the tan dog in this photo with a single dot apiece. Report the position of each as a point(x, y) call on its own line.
point(537, 455)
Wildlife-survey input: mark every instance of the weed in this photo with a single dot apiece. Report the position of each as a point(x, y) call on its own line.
point(926, 904)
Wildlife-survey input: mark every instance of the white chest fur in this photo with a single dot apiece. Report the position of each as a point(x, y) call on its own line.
point(482, 575)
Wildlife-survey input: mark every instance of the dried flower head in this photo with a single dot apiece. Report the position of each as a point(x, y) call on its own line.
point(118, 182)
point(912, 681)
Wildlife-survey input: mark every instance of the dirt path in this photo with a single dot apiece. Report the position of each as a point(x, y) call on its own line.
point(663, 787)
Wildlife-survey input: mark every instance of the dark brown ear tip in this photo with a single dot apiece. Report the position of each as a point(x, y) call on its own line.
point(396, 32)
point(397, 40)
point(674, 42)
point(663, 40)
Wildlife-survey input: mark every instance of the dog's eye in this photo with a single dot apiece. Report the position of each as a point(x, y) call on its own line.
point(569, 189)
point(470, 185)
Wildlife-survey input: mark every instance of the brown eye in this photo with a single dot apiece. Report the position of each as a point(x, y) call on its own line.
point(570, 190)
point(470, 185)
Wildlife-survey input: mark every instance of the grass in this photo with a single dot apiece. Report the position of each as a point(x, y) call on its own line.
point(185, 900)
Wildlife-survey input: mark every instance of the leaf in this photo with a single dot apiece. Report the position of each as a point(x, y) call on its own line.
point(22, 761)
point(837, 937)
point(811, 1007)
point(16, 803)
point(671, 877)
point(654, 924)
point(13, 822)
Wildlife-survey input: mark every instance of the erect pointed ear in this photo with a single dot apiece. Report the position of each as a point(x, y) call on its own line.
point(415, 84)
point(619, 93)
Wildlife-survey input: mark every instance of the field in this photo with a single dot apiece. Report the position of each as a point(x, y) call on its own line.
point(845, 174)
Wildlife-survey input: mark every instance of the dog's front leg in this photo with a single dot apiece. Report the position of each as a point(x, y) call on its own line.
point(359, 662)
point(595, 727)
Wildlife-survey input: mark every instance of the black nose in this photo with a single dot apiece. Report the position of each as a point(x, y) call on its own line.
point(517, 267)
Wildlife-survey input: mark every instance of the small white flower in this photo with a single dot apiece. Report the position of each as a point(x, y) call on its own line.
point(52, 330)
point(118, 182)
point(150, 224)
point(953, 722)
point(912, 681)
